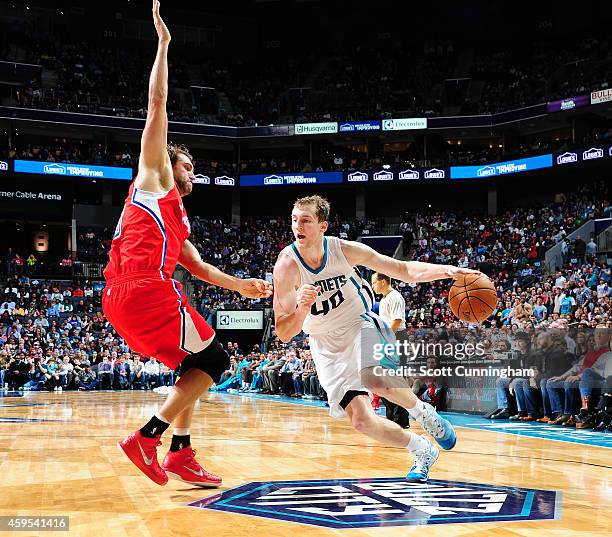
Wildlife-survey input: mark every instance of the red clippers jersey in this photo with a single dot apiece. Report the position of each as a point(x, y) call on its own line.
point(149, 235)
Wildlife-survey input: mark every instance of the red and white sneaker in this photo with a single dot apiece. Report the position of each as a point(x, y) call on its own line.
point(142, 451)
point(182, 465)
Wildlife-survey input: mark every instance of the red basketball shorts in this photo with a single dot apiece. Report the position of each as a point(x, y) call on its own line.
point(154, 318)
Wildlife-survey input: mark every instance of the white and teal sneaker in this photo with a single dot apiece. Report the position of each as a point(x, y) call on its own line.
point(438, 427)
point(423, 461)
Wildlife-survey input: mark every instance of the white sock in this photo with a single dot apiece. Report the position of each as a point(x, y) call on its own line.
point(161, 418)
point(417, 410)
point(181, 432)
point(417, 443)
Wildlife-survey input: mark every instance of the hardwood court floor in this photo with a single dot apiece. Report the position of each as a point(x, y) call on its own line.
point(72, 467)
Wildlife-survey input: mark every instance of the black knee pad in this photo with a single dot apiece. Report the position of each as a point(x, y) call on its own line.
point(349, 396)
point(213, 360)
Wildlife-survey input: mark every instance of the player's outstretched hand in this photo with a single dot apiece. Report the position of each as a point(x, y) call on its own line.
point(456, 272)
point(306, 295)
point(255, 288)
point(163, 34)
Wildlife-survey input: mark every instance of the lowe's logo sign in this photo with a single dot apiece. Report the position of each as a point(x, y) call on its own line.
point(434, 173)
point(383, 176)
point(567, 158)
point(273, 180)
point(54, 168)
point(201, 179)
point(357, 177)
point(592, 153)
point(224, 180)
point(372, 503)
point(486, 171)
point(409, 174)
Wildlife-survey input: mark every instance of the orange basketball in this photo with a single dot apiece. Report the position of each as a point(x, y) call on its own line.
point(472, 298)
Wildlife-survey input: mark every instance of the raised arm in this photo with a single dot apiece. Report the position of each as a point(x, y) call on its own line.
point(291, 305)
point(249, 288)
point(357, 253)
point(154, 168)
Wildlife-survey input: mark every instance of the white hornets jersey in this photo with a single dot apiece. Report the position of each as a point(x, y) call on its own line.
point(345, 295)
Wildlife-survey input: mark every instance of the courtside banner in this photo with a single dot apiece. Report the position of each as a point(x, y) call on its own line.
point(330, 127)
point(240, 320)
point(73, 170)
point(359, 126)
point(502, 168)
point(284, 179)
point(404, 124)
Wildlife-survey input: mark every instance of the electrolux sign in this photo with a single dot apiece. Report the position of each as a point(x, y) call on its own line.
point(404, 124)
point(502, 168)
point(330, 127)
point(73, 170)
point(359, 126)
point(283, 179)
point(240, 320)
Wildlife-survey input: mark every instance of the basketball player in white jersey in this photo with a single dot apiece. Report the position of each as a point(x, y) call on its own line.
point(319, 289)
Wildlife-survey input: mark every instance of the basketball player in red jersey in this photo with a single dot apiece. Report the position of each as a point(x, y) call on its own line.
point(146, 306)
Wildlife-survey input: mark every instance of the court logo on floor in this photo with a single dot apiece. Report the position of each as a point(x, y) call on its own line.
point(359, 503)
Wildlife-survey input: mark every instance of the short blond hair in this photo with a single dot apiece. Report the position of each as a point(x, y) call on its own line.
point(319, 203)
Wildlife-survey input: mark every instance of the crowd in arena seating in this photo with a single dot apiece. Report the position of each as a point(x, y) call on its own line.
point(53, 335)
point(510, 248)
point(96, 75)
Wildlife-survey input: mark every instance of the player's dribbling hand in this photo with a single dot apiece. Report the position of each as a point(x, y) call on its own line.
point(255, 288)
point(456, 272)
point(163, 34)
point(306, 296)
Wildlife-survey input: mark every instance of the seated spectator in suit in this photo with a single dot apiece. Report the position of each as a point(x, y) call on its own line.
point(122, 373)
point(105, 373)
point(271, 373)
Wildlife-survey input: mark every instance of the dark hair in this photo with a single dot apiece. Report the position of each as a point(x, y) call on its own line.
point(174, 150)
point(320, 204)
point(381, 276)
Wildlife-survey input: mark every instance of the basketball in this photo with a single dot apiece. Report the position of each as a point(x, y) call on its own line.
point(472, 298)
